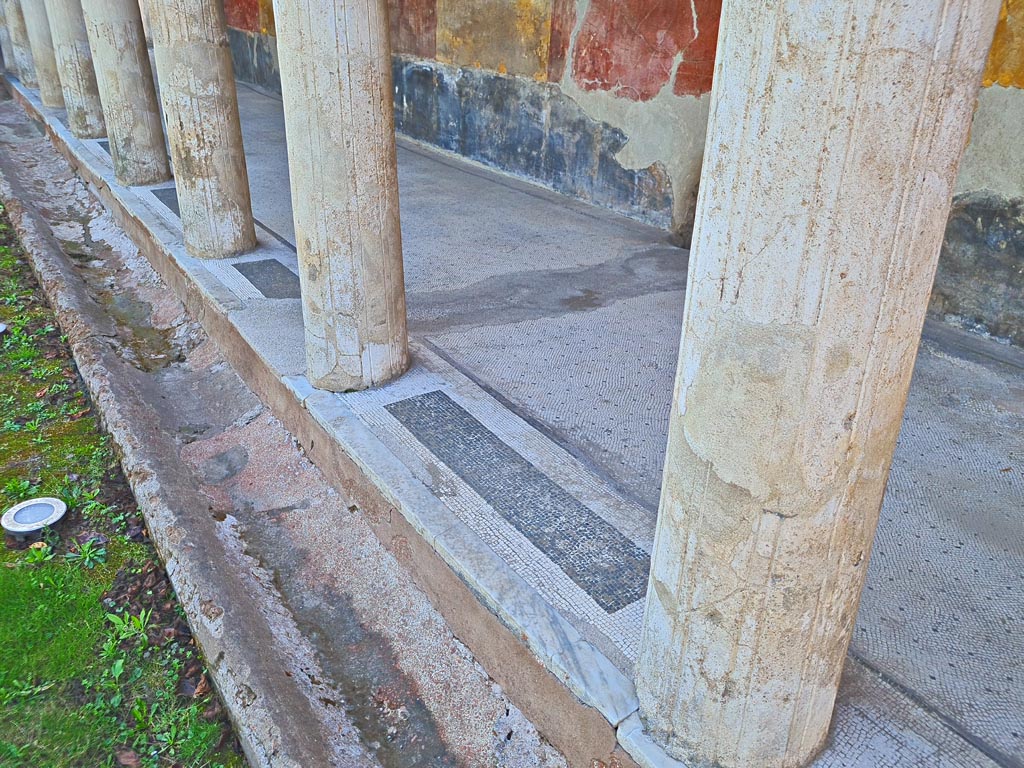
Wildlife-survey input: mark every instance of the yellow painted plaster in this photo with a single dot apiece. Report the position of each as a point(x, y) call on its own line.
point(1006, 60)
point(266, 17)
point(510, 36)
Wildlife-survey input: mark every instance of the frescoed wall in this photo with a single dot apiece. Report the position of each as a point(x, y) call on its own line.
point(604, 100)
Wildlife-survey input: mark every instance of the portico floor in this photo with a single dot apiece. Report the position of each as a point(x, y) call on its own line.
point(526, 445)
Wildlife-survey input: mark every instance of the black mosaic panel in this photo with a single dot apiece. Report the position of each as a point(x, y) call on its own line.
point(169, 197)
point(271, 278)
point(104, 145)
point(591, 552)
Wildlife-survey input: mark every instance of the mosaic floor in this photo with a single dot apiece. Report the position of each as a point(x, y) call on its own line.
point(545, 336)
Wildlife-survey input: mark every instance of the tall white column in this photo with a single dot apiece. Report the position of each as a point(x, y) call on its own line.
point(335, 62)
point(197, 88)
point(74, 62)
point(835, 133)
point(38, 26)
point(21, 63)
point(5, 41)
point(124, 78)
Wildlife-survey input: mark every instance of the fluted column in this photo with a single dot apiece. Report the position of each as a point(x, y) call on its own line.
point(835, 133)
point(74, 63)
point(38, 26)
point(21, 62)
point(197, 89)
point(124, 79)
point(5, 41)
point(335, 62)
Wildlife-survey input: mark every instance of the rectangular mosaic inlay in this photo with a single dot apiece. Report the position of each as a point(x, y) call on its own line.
point(271, 278)
point(169, 197)
point(597, 557)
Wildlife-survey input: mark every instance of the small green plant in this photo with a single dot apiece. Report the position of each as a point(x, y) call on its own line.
point(22, 689)
point(19, 490)
point(75, 493)
point(131, 627)
point(39, 553)
point(88, 554)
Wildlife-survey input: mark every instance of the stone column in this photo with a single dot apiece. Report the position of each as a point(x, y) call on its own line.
point(5, 41)
point(38, 26)
point(124, 78)
point(74, 61)
point(197, 88)
point(335, 64)
point(835, 133)
point(21, 63)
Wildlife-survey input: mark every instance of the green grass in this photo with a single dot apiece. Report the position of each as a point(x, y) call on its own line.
point(79, 685)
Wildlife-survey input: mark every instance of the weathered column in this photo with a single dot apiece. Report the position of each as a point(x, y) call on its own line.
point(197, 88)
point(835, 133)
point(335, 64)
point(5, 41)
point(21, 62)
point(74, 61)
point(124, 78)
point(38, 27)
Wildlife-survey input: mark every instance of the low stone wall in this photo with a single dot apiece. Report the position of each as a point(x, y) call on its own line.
point(980, 279)
point(255, 57)
point(528, 128)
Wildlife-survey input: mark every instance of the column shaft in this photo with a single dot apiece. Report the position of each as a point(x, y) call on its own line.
point(124, 79)
point(21, 63)
point(74, 61)
point(197, 88)
point(341, 154)
point(5, 41)
point(835, 134)
point(38, 26)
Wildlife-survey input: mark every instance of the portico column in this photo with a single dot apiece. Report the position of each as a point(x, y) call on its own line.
point(22, 64)
point(124, 78)
point(5, 41)
point(335, 61)
point(197, 88)
point(835, 133)
point(38, 27)
point(74, 62)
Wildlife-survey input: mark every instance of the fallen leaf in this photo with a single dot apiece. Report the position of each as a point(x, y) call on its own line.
point(127, 758)
point(203, 688)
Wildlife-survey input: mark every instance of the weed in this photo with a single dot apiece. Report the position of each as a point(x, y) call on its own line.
point(19, 490)
point(129, 627)
point(39, 553)
point(89, 554)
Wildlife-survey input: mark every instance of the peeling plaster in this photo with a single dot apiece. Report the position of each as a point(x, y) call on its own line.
point(667, 130)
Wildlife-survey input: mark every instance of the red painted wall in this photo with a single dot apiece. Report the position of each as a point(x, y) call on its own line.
point(629, 47)
point(414, 27)
point(243, 14)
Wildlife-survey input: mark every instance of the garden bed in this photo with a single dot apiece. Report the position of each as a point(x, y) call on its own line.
point(99, 667)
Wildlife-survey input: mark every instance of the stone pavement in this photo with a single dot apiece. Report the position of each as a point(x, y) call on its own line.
point(525, 445)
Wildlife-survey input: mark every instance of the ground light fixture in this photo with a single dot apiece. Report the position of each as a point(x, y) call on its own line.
point(27, 518)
